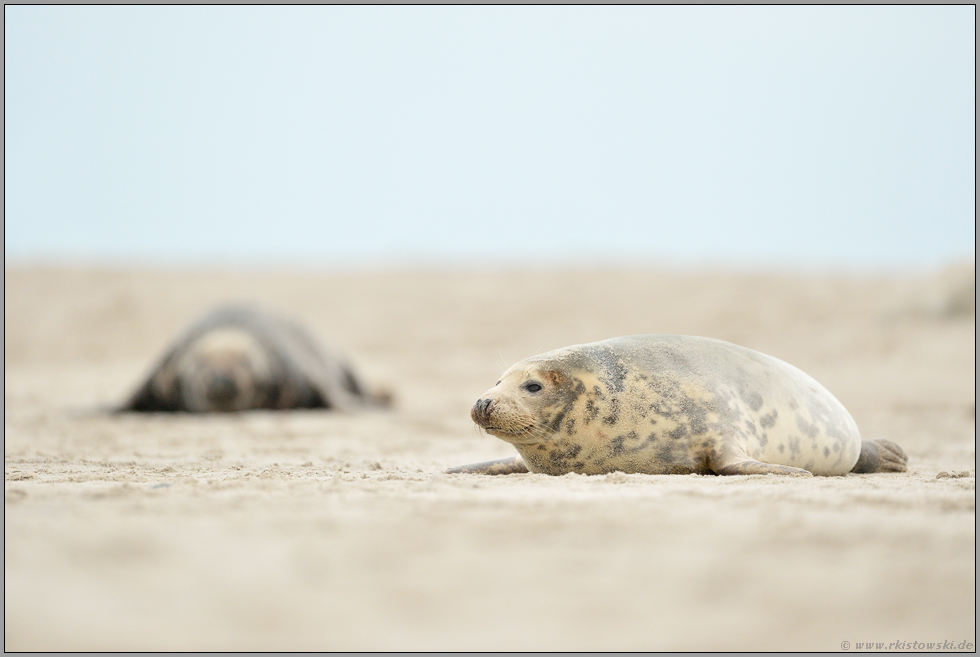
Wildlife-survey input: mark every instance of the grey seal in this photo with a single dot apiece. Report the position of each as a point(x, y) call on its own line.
point(671, 404)
point(239, 357)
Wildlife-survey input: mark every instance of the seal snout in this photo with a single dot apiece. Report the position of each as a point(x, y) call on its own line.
point(481, 411)
point(222, 389)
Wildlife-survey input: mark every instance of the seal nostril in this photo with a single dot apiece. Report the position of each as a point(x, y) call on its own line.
point(480, 409)
point(222, 388)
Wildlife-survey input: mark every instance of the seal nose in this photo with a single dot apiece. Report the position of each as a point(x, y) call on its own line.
point(221, 389)
point(481, 411)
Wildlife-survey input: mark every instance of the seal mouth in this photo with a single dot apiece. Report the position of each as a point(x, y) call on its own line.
point(222, 390)
point(524, 435)
point(506, 425)
point(523, 431)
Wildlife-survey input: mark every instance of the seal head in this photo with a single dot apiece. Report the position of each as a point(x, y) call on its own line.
point(225, 370)
point(517, 408)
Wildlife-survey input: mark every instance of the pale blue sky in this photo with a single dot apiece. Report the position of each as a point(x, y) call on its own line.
point(814, 136)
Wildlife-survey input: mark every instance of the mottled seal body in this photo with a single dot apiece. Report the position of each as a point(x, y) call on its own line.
point(670, 404)
point(237, 358)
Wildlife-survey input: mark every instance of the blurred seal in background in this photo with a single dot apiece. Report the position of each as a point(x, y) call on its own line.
point(239, 357)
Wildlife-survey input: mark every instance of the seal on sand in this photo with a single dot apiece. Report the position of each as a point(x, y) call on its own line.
point(237, 358)
point(671, 404)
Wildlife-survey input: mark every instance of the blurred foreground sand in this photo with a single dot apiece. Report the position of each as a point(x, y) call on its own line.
point(324, 531)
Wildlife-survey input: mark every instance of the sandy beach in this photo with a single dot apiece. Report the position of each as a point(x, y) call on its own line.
point(320, 530)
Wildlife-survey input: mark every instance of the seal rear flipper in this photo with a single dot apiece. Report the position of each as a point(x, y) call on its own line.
point(734, 461)
point(379, 397)
point(880, 456)
point(323, 393)
point(325, 381)
point(512, 465)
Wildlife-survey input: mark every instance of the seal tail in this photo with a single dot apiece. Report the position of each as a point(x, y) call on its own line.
point(880, 456)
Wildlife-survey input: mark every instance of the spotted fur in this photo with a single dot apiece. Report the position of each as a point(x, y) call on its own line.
point(667, 404)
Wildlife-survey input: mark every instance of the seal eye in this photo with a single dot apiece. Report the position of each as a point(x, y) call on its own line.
point(532, 386)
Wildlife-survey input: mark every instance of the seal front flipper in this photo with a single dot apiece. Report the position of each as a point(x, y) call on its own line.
point(147, 400)
point(736, 462)
point(750, 467)
point(160, 392)
point(880, 456)
point(512, 465)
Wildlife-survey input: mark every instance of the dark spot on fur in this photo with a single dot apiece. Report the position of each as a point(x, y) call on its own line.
point(591, 411)
point(697, 415)
point(809, 429)
point(763, 440)
point(826, 451)
point(782, 448)
point(351, 383)
point(616, 445)
point(679, 432)
point(556, 423)
point(571, 391)
point(570, 426)
point(754, 400)
point(561, 454)
point(613, 416)
point(674, 461)
point(767, 421)
point(613, 369)
point(665, 453)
